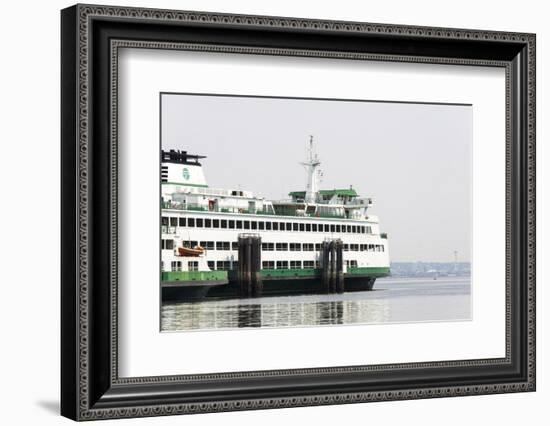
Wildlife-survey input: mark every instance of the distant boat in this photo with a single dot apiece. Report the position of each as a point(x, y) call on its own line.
point(434, 273)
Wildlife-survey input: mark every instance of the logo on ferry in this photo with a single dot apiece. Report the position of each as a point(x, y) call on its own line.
point(186, 173)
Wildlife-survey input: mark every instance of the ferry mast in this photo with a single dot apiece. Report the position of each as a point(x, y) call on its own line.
point(311, 166)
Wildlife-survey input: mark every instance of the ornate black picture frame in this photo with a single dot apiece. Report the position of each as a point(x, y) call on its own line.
point(91, 387)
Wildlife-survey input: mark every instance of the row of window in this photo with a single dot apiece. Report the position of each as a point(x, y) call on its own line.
point(317, 247)
point(192, 222)
point(290, 264)
point(226, 245)
point(222, 265)
point(176, 265)
point(267, 264)
point(298, 264)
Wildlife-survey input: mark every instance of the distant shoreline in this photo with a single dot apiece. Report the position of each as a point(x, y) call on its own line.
point(430, 269)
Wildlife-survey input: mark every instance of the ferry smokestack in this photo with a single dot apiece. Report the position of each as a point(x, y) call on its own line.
point(180, 168)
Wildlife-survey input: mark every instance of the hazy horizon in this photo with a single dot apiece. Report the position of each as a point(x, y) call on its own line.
point(415, 160)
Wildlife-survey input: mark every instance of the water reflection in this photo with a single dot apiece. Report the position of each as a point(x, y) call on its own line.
point(394, 301)
point(237, 314)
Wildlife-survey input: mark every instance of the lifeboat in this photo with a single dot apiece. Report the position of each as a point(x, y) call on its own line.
point(190, 252)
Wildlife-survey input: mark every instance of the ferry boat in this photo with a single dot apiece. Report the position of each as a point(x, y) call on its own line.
point(233, 243)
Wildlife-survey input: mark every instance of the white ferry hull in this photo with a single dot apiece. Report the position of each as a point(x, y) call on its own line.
point(291, 261)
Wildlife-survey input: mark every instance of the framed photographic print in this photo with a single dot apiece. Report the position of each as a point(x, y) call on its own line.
point(263, 212)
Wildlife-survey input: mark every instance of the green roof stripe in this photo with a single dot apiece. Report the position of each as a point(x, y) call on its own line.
point(185, 184)
point(350, 192)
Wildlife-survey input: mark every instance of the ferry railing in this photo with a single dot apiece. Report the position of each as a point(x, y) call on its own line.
point(181, 206)
point(277, 212)
point(196, 208)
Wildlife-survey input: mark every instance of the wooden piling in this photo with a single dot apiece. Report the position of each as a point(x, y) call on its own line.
point(325, 262)
point(340, 287)
point(240, 264)
point(250, 263)
point(333, 266)
point(256, 266)
point(340, 280)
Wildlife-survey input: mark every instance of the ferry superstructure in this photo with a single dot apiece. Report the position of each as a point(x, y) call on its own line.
point(315, 241)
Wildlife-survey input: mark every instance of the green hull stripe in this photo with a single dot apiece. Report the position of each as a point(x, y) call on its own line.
point(270, 273)
point(194, 276)
point(287, 273)
point(370, 271)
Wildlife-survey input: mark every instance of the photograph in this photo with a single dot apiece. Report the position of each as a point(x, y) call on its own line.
point(301, 212)
point(264, 209)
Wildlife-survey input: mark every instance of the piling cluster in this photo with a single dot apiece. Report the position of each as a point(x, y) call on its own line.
point(250, 262)
point(332, 259)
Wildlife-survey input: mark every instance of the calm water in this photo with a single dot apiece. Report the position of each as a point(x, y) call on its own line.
point(394, 300)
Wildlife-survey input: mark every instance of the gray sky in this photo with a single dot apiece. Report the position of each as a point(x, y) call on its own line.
point(415, 160)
